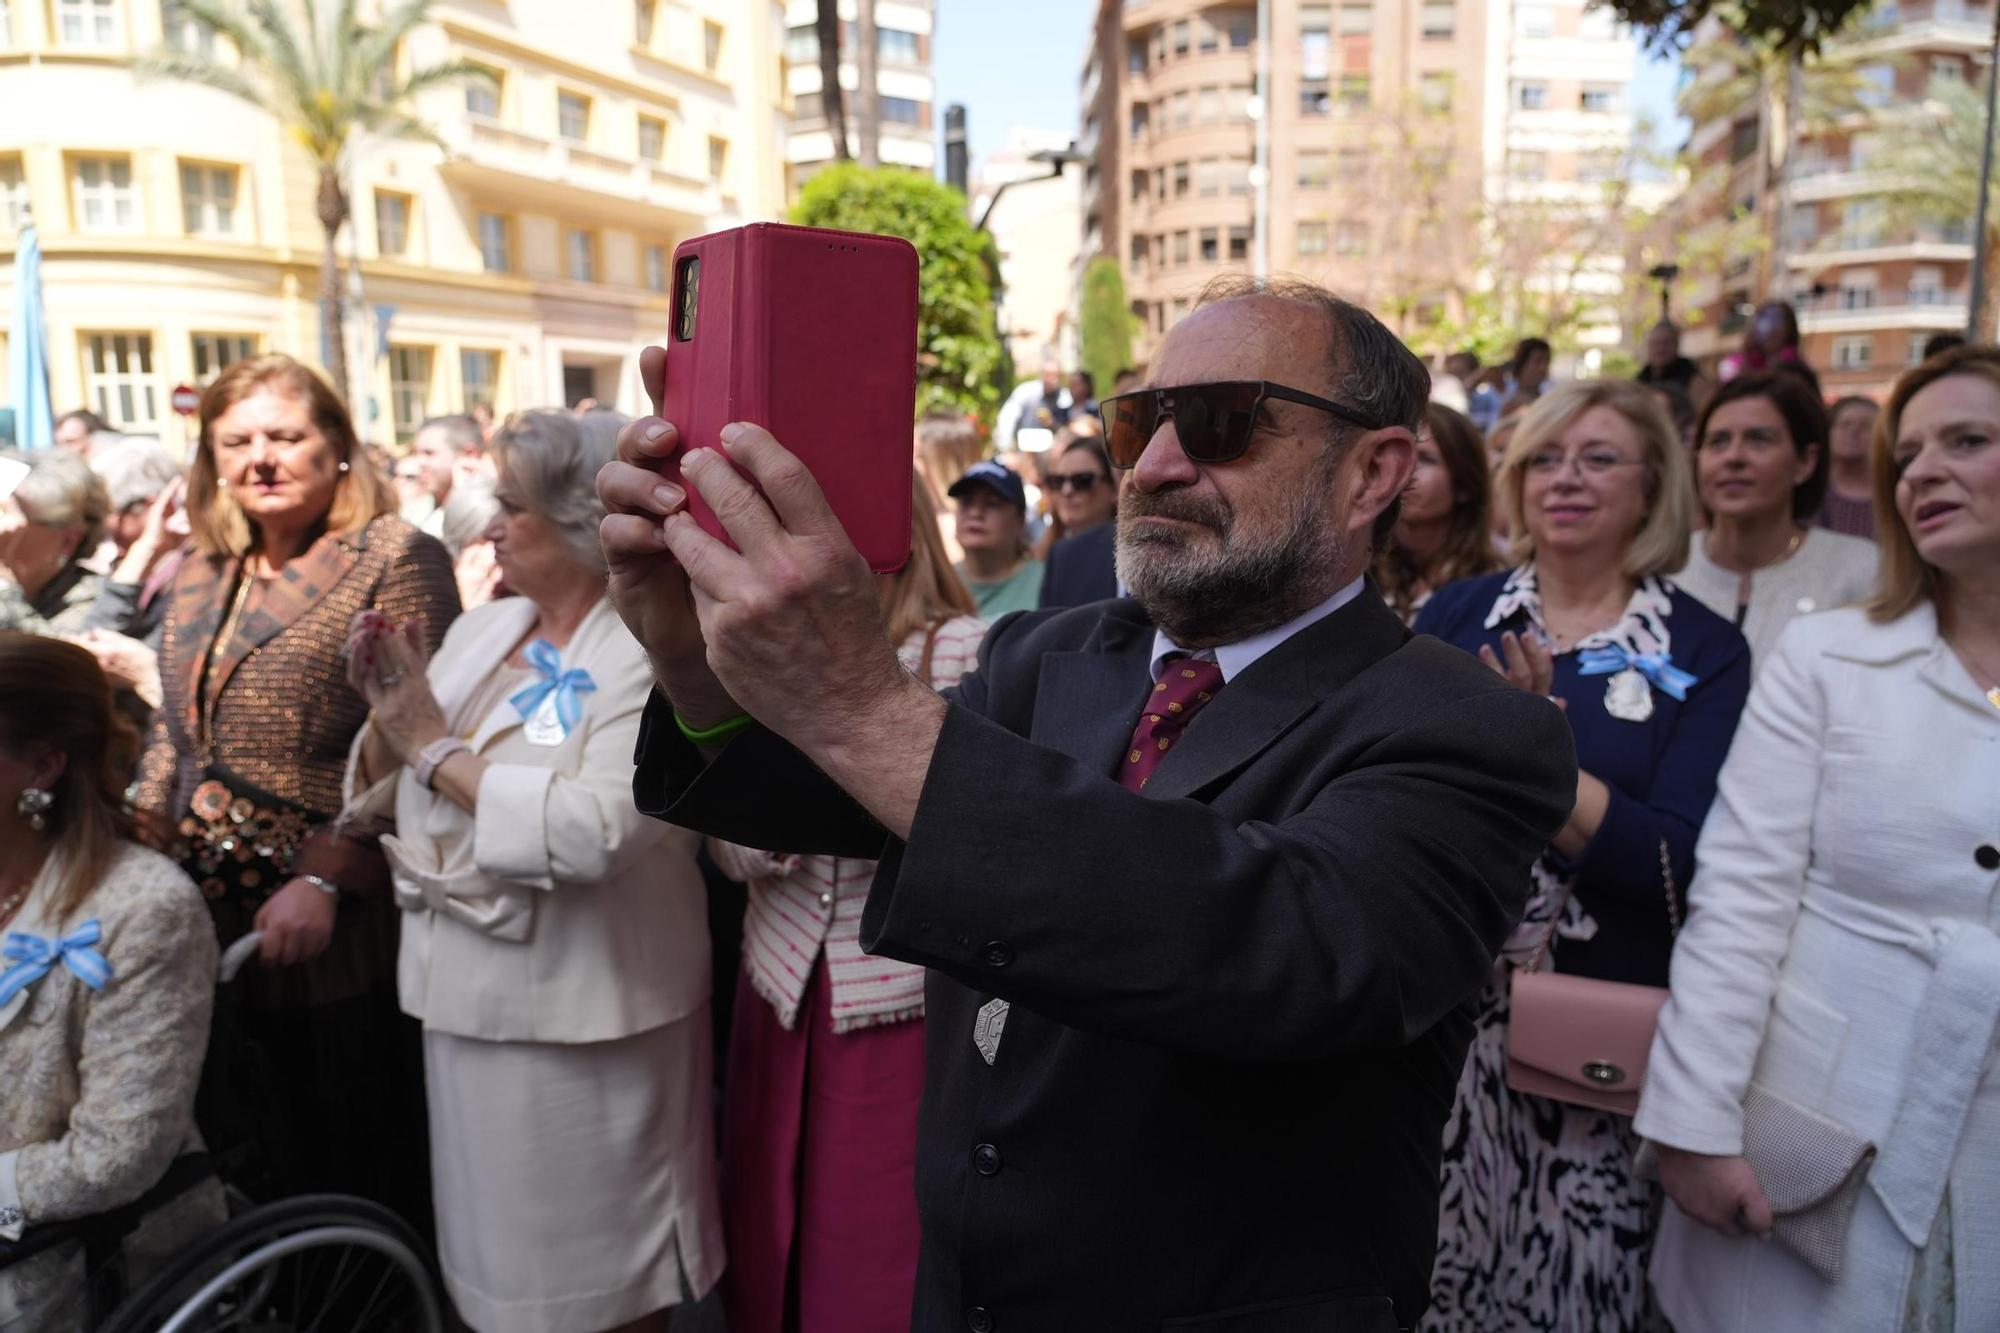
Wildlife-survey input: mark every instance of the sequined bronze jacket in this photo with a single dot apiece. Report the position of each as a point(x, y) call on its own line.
point(274, 714)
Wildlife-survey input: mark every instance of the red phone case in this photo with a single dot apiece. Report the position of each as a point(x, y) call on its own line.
point(811, 334)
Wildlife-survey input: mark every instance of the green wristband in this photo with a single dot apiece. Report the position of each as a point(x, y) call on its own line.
point(716, 734)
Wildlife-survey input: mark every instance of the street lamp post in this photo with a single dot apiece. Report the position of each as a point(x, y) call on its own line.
point(1056, 158)
point(1973, 332)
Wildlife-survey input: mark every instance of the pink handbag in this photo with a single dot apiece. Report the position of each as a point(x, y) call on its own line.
point(1580, 1040)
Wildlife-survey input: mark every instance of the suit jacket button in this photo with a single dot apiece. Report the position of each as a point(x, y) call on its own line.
point(986, 1160)
point(1988, 856)
point(979, 1319)
point(998, 953)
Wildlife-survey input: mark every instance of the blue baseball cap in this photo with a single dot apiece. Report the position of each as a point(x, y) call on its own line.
point(994, 477)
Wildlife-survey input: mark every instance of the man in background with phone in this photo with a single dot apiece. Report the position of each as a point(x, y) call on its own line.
point(1204, 876)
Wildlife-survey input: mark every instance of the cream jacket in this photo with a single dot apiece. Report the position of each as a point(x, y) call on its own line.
point(554, 912)
point(1840, 951)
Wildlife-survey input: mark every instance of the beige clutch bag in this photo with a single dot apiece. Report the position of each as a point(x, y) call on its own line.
point(1811, 1169)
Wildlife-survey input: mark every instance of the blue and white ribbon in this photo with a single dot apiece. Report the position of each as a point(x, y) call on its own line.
point(33, 956)
point(563, 685)
point(1658, 668)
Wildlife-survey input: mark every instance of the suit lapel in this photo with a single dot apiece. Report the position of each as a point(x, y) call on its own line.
point(1275, 692)
point(1086, 702)
point(294, 592)
point(199, 589)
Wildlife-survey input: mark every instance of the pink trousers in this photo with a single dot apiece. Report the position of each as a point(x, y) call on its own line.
point(819, 1147)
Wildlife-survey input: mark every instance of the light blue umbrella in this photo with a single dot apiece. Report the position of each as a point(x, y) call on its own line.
point(28, 349)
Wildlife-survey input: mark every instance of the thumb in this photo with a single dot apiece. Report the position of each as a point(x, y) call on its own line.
point(1756, 1210)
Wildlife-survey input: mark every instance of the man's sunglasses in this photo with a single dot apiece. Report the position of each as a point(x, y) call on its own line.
point(1214, 422)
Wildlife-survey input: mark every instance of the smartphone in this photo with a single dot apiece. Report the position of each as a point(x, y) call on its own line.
point(811, 334)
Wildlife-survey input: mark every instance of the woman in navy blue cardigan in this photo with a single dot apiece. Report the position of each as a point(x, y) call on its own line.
point(1542, 1223)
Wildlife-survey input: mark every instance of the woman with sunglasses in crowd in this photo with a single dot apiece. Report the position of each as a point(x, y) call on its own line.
point(1542, 1222)
point(1443, 526)
point(1084, 494)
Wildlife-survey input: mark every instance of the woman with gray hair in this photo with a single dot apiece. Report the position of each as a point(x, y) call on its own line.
point(49, 527)
point(555, 942)
point(145, 484)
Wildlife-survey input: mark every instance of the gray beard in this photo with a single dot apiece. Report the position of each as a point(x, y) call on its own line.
point(1217, 596)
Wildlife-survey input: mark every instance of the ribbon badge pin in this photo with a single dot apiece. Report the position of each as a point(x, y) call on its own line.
point(1628, 696)
point(551, 706)
point(33, 956)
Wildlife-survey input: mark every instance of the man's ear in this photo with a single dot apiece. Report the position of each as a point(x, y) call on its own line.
point(1383, 463)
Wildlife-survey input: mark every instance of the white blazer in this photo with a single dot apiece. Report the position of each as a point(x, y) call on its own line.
point(1840, 951)
point(566, 915)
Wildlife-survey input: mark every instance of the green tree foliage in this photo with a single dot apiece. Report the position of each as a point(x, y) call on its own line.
point(1107, 323)
point(959, 353)
point(329, 79)
point(1791, 25)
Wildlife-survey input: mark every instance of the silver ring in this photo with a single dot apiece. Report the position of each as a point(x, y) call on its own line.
point(392, 678)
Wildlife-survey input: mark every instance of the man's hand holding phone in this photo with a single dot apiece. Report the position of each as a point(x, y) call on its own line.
point(648, 586)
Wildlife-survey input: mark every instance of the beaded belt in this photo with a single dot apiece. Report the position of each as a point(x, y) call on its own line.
point(238, 839)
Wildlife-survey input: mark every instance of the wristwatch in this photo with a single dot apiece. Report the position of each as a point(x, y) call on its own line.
point(326, 886)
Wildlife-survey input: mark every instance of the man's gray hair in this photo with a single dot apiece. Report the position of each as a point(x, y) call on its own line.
point(549, 461)
point(60, 490)
point(461, 432)
point(135, 470)
point(467, 512)
point(1371, 371)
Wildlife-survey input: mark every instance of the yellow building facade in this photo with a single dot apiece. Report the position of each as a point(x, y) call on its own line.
point(523, 265)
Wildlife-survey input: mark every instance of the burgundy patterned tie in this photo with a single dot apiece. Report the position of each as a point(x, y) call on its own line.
point(1184, 689)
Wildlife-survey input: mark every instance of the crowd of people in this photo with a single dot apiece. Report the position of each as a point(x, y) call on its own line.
point(1058, 1006)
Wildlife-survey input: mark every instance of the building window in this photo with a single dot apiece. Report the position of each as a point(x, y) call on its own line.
point(1354, 94)
point(1311, 238)
point(482, 96)
point(184, 32)
point(802, 44)
point(1947, 69)
point(87, 22)
point(900, 110)
point(496, 250)
point(1440, 19)
point(118, 379)
point(1914, 356)
point(1857, 290)
point(13, 195)
point(1531, 96)
point(1236, 103)
point(893, 46)
point(1239, 244)
point(718, 157)
point(1315, 42)
point(1532, 167)
point(213, 352)
point(1180, 109)
point(1236, 175)
point(1434, 90)
point(1856, 353)
point(1209, 40)
point(1181, 33)
point(1315, 171)
point(1314, 99)
point(478, 377)
point(1350, 238)
point(808, 106)
point(1135, 56)
point(711, 45)
point(1742, 140)
point(1207, 178)
point(208, 200)
point(1142, 117)
point(6, 30)
point(573, 116)
point(1535, 19)
point(1180, 247)
point(580, 255)
point(642, 22)
point(1181, 180)
point(1597, 98)
point(392, 224)
point(409, 388)
point(1138, 253)
point(1240, 33)
point(1207, 106)
point(652, 138)
point(1607, 164)
point(1210, 245)
point(104, 197)
point(656, 268)
point(1141, 186)
point(1926, 286)
point(1357, 18)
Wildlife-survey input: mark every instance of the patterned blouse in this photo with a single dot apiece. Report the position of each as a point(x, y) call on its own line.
point(801, 905)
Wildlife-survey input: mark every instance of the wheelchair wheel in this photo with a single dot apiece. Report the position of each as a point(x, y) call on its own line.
point(321, 1263)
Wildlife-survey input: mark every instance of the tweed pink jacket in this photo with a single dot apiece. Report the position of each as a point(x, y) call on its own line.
point(801, 906)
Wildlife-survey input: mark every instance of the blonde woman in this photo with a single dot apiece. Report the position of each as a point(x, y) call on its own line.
point(826, 1058)
point(1840, 953)
point(1542, 1223)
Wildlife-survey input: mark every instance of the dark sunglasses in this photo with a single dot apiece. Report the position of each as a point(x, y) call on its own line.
point(1214, 422)
point(1083, 483)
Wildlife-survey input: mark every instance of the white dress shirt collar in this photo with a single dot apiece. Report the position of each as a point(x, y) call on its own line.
point(1235, 658)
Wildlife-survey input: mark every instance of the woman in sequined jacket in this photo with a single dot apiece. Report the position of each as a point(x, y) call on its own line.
point(294, 533)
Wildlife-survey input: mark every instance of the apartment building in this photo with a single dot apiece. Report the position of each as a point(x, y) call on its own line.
point(1869, 291)
point(521, 266)
point(905, 91)
point(1409, 144)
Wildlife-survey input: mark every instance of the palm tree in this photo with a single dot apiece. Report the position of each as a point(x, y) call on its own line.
point(328, 79)
point(1931, 158)
point(831, 100)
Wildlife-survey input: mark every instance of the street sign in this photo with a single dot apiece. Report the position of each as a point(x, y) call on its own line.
point(186, 399)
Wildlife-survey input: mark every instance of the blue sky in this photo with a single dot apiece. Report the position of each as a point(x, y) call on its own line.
point(1016, 62)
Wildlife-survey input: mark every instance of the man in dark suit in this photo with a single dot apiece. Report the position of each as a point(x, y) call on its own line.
point(1206, 877)
point(1081, 569)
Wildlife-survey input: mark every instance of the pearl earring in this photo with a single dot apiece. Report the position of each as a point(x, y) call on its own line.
point(33, 804)
point(222, 483)
point(343, 465)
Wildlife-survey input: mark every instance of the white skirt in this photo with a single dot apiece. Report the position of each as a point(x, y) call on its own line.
point(575, 1184)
